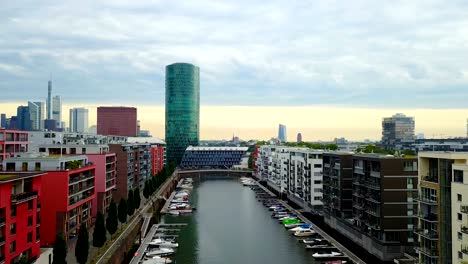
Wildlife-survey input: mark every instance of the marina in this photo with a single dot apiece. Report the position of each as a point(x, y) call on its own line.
point(234, 216)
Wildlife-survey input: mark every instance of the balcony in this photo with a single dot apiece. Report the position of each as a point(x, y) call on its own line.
point(81, 178)
point(2, 240)
point(429, 252)
point(433, 179)
point(431, 218)
point(427, 200)
point(2, 221)
point(23, 197)
point(464, 209)
point(464, 229)
point(464, 249)
point(373, 185)
point(428, 234)
point(375, 174)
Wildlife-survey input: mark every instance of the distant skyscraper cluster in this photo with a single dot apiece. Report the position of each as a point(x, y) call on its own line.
point(182, 109)
point(282, 136)
point(37, 116)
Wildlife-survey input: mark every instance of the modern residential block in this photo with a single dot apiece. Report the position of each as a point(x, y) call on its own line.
point(12, 142)
point(68, 191)
point(20, 216)
point(182, 109)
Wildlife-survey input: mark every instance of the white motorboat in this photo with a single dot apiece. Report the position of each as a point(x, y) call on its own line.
point(327, 255)
point(181, 194)
point(186, 186)
point(174, 212)
point(302, 227)
point(314, 241)
point(163, 243)
point(160, 252)
point(157, 260)
point(304, 232)
point(293, 225)
point(287, 218)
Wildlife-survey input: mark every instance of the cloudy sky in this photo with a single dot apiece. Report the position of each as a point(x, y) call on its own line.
point(380, 56)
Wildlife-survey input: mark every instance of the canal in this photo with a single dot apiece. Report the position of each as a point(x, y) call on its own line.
point(231, 226)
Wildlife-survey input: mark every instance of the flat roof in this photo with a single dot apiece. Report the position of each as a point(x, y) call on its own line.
point(217, 148)
point(29, 157)
point(13, 176)
point(150, 140)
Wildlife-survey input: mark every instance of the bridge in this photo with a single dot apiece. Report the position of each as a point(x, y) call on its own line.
point(214, 173)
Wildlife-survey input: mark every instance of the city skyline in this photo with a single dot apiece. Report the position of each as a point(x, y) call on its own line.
point(220, 122)
point(350, 54)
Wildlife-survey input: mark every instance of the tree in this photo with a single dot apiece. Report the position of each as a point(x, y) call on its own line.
point(99, 234)
point(60, 250)
point(122, 213)
point(146, 193)
point(111, 220)
point(82, 245)
point(136, 198)
point(130, 203)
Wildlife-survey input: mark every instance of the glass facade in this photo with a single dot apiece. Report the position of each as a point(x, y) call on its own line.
point(182, 109)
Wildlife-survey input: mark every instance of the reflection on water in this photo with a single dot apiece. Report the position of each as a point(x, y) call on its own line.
point(231, 226)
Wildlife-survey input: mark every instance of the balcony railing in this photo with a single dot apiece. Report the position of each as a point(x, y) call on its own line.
point(430, 179)
point(2, 240)
point(427, 200)
point(464, 229)
point(2, 220)
point(428, 217)
point(23, 197)
point(80, 178)
point(429, 234)
point(429, 252)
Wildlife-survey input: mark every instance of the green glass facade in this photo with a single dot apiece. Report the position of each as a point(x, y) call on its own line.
point(182, 109)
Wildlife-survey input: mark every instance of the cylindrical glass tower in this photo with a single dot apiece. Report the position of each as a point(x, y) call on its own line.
point(182, 109)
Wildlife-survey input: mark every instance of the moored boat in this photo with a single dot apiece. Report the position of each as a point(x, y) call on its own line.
point(304, 232)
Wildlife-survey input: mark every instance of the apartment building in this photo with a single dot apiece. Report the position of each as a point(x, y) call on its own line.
point(12, 142)
point(20, 216)
point(442, 218)
point(68, 191)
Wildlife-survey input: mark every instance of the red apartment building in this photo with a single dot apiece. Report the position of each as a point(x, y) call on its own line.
point(117, 121)
point(157, 159)
point(67, 194)
point(11, 142)
point(106, 177)
point(19, 215)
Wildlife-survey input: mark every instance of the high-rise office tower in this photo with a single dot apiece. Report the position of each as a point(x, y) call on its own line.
point(36, 111)
point(57, 110)
point(3, 121)
point(397, 132)
point(299, 137)
point(24, 118)
point(79, 120)
point(117, 121)
point(282, 133)
point(182, 109)
point(49, 100)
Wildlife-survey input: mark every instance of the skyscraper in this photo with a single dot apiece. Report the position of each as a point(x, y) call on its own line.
point(36, 111)
point(282, 133)
point(117, 121)
point(49, 100)
point(397, 132)
point(57, 110)
point(299, 137)
point(79, 120)
point(24, 118)
point(182, 109)
point(3, 121)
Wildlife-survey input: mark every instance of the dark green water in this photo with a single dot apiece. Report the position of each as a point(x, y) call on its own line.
point(231, 226)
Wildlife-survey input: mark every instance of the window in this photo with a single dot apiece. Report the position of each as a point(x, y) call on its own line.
point(460, 236)
point(458, 176)
point(459, 197)
point(460, 255)
point(30, 237)
point(30, 205)
point(30, 220)
point(24, 166)
point(460, 217)
point(42, 150)
point(83, 150)
point(13, 229)
point(317, 198)
point(317, 165)
point(13, 210)
point(37, 166)
point(317, 182)
point(72, 150)
point(38, 234)
point(13, 247)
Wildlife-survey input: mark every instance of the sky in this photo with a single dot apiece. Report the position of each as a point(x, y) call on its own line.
point(325, 68)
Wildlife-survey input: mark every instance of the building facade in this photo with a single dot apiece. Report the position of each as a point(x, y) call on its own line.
point(460, 211)
point(36, 112)
point(78, 120)
point(57, 110)
point(24, 118)
point(49, 100)
point(68, 191)
point(212, 157)
point(397, 132)
point(117, 121)
point(20, 216)
point(282, 136)
point(11, 143)
point(438, 173)
point(106, 180)
point(182, 109)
